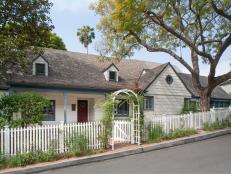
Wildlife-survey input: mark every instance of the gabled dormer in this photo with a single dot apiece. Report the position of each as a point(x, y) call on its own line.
point(40, 67)
point(111, 73)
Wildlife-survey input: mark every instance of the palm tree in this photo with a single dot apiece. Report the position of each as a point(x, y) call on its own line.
point(86, 35)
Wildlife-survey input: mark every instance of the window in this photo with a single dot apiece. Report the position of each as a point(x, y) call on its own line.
point(169, 79)
point(219, 104)
point(123, 108)
point(73, 107)
point(191, 104)
point(50, 112)
point(148, 103)
point(112, 76)
point(40, 69)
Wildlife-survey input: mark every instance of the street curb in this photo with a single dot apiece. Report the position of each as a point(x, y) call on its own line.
point(107, 156)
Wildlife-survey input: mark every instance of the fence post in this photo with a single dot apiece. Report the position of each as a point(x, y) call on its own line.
point(165, 123)
point(132, 132)
point(61, 136)
point(7, 140)
point(191, 121)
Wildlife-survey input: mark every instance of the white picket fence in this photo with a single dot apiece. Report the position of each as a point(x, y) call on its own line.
point(57, 136)
point(192, 120)
point(45, 137)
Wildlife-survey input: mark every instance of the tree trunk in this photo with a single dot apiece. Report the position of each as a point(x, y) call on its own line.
point(205, 97)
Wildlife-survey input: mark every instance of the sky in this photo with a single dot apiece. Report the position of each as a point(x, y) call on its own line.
point(69, 15)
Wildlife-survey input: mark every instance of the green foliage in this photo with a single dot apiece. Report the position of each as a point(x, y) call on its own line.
point(77, 144)
point(23, 25)
point(2, 122)
point(56, 42)
point(217, 125)
point(191, 106)
point(156, 133)
point(30, 105)
point(86, 35)
point(108, 110)
point(178, 133)
point(202, 27)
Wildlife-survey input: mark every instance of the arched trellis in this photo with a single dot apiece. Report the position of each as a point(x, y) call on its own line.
point(135, 120)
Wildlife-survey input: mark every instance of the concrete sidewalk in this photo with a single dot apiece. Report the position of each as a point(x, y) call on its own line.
point(114, 154)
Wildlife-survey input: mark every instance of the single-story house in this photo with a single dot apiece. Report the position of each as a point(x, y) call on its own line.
point(77, 84)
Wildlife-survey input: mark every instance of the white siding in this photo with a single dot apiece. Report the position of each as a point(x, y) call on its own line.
point(168, 99)
point(94, 105)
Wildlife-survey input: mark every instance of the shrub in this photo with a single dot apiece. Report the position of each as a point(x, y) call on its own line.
point(178, 133)
point(77, 144)
point(30, 105)
point(155, 133)
point(217, 125)
point(190, 106)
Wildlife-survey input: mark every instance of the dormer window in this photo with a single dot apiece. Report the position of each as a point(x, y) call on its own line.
point(40, 69)
point(111, 73)
point(112, 76)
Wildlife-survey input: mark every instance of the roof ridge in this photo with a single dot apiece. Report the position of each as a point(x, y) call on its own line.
point(95, 56)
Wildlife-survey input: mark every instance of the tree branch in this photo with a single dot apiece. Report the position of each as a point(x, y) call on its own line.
point(160, 22)
point(222, 49)
point(220, 11)
point(222, 78)
point(170, 52)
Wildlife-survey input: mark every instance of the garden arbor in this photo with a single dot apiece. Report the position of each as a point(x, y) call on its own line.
point(120, 132)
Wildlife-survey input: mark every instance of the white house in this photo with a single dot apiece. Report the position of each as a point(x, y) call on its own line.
point(77, 84)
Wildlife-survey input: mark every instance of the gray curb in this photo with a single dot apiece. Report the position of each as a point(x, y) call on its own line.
point(105, 156)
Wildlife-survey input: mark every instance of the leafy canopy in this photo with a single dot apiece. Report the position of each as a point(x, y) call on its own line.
point(24, 24)
point(203, 27)
point(166, 24)
point(56, 42)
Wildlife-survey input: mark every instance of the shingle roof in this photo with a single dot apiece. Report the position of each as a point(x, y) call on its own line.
point(218, 92)
point(150, 75)
point(78, 70)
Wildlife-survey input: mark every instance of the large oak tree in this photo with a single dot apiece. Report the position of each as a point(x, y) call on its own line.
point(24, 25)
point(202, 26)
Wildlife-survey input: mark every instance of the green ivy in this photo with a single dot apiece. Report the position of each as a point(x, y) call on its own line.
point(108, 111)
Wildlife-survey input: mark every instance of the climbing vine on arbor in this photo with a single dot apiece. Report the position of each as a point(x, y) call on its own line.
point(109, 107)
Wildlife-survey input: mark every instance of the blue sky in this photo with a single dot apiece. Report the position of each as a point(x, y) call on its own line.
point(68, 15)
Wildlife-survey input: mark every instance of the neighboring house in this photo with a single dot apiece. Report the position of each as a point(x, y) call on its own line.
point(227, 86)
point(77, 84)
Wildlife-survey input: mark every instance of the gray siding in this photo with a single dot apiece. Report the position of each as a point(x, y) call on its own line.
point(168, 99)
point(227, 88)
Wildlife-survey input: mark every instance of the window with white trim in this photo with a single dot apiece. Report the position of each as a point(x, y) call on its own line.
point(148, 103)
point(123, 108)
point(112, 76)
point(40, 69)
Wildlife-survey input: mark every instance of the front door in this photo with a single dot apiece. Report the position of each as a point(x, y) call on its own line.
point(82, 111)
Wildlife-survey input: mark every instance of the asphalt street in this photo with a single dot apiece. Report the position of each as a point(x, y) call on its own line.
point(211, 156)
